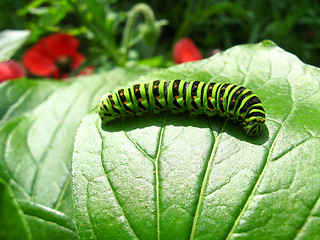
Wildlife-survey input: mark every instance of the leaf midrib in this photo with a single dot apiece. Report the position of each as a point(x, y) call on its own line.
point(157, 173)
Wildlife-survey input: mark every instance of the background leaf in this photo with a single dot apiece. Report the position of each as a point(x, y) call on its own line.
point(10, 41)
point(13, 225)
point(39, 120)
point(175, 177)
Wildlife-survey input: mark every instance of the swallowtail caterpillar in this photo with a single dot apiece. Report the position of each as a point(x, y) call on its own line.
point(228, 100)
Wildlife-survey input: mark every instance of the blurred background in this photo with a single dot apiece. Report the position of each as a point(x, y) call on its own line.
point(101, 26)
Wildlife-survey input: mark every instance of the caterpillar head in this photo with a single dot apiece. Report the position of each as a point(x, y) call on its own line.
point(253, 125)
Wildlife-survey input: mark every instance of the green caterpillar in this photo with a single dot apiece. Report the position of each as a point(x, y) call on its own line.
point(228, 100)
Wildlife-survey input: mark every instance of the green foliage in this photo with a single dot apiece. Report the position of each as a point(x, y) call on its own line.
point(97, 20)
point(166, 176)
point(211, 24)
point(38, 123)
point(161, 176)
point(222, 24)
point(8, 16)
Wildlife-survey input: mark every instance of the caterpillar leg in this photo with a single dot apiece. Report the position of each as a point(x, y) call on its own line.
point(156, 111)
point(211, 113)
point(138, 114)
point(197, 112)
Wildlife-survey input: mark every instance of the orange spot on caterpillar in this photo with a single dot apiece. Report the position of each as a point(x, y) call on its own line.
point(113, 105)
point(246, 120)
point(193, 97)
point(223, 88)
point(175, 85)
point(176, 97)
point(129, 112)
point(221, 111)
point(124, 102)
point(195, 86)
point(155, 86)
point(221, 98)
point(136, 89)
point(111, 99)
point(210, 87)
point(210, 109)
point(233, 100)
point(241, 116)
point(157, 97)
point(231, 113)
point(239, 92)
point(121, 94)
point(139, 99)
point(209, 98)
point(194, 109)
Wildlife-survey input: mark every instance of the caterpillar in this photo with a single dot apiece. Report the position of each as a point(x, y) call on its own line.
point(228, 100)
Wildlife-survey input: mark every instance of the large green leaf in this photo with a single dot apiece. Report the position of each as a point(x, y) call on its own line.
point(175, 177)
point(10, 41)
point(13, 225)
point(38, 124)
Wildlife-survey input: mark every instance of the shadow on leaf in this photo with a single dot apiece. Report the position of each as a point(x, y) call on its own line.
point(217, 124)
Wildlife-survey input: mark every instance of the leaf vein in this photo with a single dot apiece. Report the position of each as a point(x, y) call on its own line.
point(42, 160)
point(307, 218)
point(157, 174)
point(65, 187)
point(135, 144)
point(112, 187)
point(89, 215)
point(205, 179)
point(263, 169)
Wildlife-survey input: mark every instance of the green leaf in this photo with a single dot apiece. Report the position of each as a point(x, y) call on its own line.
point(174, 177)
point(11, 41)
point(20, 97)
point(13, 225)
point(39, 121)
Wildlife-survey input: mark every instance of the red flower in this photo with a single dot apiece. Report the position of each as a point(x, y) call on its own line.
point(11, 70)
point(186, 51)
point(54, 56)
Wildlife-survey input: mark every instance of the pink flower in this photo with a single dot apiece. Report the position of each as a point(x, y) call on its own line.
point(87, 71)
point(54, 56)
point(11, 70)
point(216, 51)
point(186, 51)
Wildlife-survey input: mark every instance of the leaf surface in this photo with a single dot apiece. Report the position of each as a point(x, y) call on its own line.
point(38, 124)
point(13, 225)
point(174, 177)
point(10, 41)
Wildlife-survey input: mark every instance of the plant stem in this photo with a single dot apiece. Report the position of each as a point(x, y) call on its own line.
point(147, 12)
point(105, 41)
